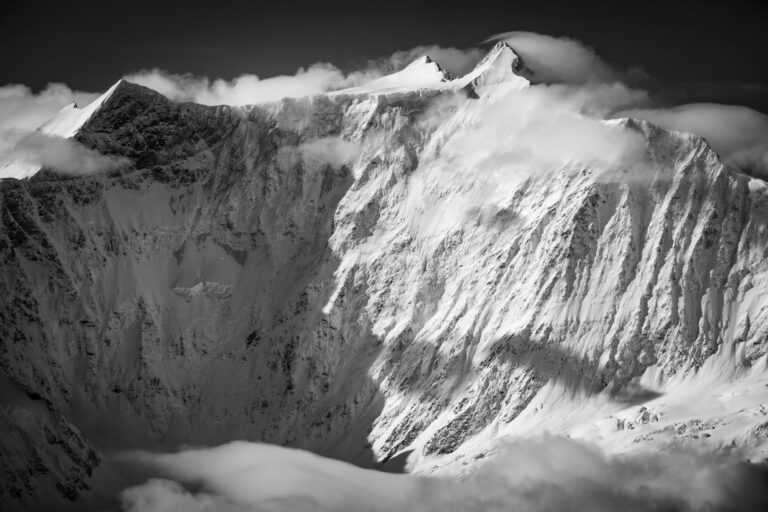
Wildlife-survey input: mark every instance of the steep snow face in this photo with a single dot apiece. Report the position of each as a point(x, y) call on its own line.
point(569, 275)
point(330, 273)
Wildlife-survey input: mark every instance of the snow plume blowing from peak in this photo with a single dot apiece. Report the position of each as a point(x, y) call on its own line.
point(548, 473)
point(558, 59)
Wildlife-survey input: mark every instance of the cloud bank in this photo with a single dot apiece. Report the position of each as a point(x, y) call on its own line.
point(548, 473)
point(62, 155)
point(248, 89)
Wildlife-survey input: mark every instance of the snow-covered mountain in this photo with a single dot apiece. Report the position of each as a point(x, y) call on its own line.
point(345, 274)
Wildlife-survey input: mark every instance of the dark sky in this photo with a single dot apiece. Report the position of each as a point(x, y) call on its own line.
point(711, 50)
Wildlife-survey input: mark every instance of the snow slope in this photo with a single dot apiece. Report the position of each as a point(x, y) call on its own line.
point(372, 275)
point(422, 73)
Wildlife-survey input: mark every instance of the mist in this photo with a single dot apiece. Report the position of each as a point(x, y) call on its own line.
point(320, 152)
point(547, 473)
point(59, 154)
point(482, 151)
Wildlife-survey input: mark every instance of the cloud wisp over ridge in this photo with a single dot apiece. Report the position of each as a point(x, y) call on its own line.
point(66, 156)
point(559, 59)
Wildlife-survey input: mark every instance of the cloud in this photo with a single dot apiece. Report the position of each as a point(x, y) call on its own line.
point(21, 108)
point(244, 90)
point(738, 134)
point(481, 151)
point(21, 148)
point(319, 78)
point(455, 61)
point(752, 160)
point(251, 476)
point(548, 473)
point(320, 152)
point(56, 153)
point(559, 59)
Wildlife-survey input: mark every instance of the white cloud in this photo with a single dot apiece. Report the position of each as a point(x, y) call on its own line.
point(558, 59)
point(483, 150)
point(57, 153)
point(21, 108)
point(22, 111)
point(317, 153)
point(548, 473)
point(246, 89)
point(738, 134)
point(752, 160)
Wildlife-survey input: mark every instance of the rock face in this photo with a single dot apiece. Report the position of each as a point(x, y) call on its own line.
point(295, 273)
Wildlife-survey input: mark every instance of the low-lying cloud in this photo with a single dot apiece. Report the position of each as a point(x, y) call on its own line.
point(62, 155)
point(548, 473)
point(320, 152)
point(246, 89)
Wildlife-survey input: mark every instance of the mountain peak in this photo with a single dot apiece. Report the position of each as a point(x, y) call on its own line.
point(68, 121)
point(426, 60)
point(501, 65)
point(422, 73)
